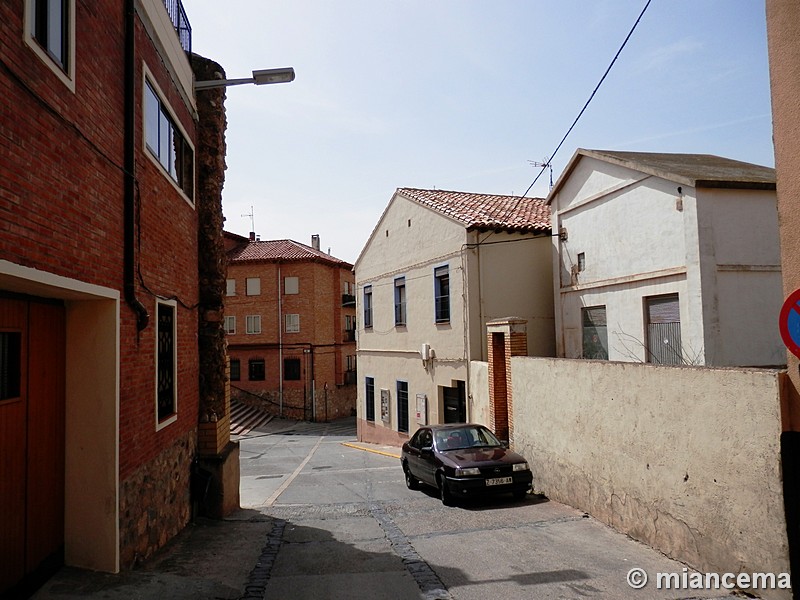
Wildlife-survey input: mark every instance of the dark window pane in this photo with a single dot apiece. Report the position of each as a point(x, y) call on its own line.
point(236, 369)
point(10, 373)
point(257, 370)
point(291, 369)
point(370, 398)
point(166, 361)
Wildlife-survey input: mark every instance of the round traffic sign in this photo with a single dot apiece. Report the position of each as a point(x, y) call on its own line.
point(789, 322)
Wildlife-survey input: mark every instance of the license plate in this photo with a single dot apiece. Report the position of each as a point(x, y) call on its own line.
point(499, 481)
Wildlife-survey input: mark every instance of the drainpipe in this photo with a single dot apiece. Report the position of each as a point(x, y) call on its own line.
point(280, 345)
point(129, 211)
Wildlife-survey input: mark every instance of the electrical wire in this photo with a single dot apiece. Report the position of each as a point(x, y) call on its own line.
point(585, 106)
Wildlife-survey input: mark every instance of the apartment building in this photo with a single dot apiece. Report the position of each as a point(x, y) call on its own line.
point(290, 325)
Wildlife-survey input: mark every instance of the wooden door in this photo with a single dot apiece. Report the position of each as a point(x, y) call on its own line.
point(32, 375)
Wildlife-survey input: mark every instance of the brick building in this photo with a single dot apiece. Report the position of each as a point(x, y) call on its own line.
point(290, 325)
point(100, 297)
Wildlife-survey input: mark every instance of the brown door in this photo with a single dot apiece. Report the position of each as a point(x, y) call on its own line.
point(32, 372)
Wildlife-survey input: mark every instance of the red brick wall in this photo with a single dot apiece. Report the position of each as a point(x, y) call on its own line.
point(61, 211)
point(319, 344)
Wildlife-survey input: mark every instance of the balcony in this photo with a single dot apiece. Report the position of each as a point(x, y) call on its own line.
point(177, 15)
point(348, 300)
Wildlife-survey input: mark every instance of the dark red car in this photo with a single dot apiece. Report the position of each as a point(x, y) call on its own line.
point(463, 460)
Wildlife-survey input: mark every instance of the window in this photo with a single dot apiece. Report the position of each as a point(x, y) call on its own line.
point(253, 324)
point(236, 369)
point(292, 323)
point(230, 287)
point(367, 307)
point(369, 398)
point(256, 371)
point(441, 284)
point(167, 143)
point(581, 261)
point(230, 325)
point(663, 330)
point(402, 406)
point(166, 363)
point(291, 285)
point(350, 362)
point(595, 333)
point(400, 301)
point(51, 31)
point(10, 364)
point(291, 369)
point(253, 286)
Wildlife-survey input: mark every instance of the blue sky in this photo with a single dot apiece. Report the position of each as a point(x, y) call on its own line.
point(462, 94)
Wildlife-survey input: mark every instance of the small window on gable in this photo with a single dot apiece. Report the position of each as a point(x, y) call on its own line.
point(291, 285)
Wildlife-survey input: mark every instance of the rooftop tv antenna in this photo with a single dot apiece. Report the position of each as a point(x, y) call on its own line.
point(251, 214)
point(547, 164)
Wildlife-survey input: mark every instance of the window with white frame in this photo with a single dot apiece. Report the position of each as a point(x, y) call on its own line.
point(253, 324)
point(441, 292)
point(166, 363)
point(50, 32)
point(253, 286)
point(291, 285)
point(166, 141)
point(367, 307)
point(292, 323)
point(400, 301)
point(230, 324)
point(230, 287)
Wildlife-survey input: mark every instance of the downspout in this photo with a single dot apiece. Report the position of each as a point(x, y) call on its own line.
point(280, 346)
point(129, 210)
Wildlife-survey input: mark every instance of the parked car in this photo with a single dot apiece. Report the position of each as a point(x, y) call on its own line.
point(463, 460)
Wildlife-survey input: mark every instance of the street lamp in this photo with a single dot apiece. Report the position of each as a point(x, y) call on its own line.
point(261, 77)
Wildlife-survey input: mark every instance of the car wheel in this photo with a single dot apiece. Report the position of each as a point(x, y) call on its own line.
point(444, 491)
point(412, 482)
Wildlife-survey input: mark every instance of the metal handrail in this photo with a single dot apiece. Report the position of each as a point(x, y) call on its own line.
point(177, 15)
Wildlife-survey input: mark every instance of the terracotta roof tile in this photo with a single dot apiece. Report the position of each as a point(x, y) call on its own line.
point(485, 211)
point(280, 250)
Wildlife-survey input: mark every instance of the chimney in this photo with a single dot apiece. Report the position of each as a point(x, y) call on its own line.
point(252, 236)
point(315, 241)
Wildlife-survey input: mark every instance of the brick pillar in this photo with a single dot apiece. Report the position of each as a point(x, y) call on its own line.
point(507, 337)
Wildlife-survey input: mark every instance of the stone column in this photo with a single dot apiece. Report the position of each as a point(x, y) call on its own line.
point(507, 337)
point(217, 479)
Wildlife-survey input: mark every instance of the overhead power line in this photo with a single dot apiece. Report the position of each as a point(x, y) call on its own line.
point(597, 87)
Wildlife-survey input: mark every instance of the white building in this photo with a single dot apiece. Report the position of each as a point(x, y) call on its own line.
point(436, 268)
point(666, 258)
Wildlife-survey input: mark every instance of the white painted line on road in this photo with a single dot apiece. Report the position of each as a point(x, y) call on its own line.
point(271, 500)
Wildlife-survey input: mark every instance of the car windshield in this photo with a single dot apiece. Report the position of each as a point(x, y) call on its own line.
point(465, 437)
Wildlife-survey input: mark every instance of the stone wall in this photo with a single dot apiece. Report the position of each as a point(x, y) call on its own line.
point(155, 502)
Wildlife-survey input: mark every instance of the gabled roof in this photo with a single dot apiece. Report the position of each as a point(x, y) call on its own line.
point(695, 170)
point(485, 212)
point(281, 251)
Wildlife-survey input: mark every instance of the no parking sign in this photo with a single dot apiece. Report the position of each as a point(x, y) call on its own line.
point(789, 322)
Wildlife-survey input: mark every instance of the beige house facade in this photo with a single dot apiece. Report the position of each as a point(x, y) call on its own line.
point(666, 259)
point(437, 267)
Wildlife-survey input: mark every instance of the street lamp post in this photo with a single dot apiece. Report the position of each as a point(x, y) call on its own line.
point(260, 77)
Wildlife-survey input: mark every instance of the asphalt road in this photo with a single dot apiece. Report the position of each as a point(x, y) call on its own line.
point(322, 518)
point(351, 529)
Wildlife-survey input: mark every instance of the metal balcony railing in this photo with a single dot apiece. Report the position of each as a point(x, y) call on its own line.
point(177, 15)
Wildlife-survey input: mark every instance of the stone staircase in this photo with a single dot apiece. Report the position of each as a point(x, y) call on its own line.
point(245, 418)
